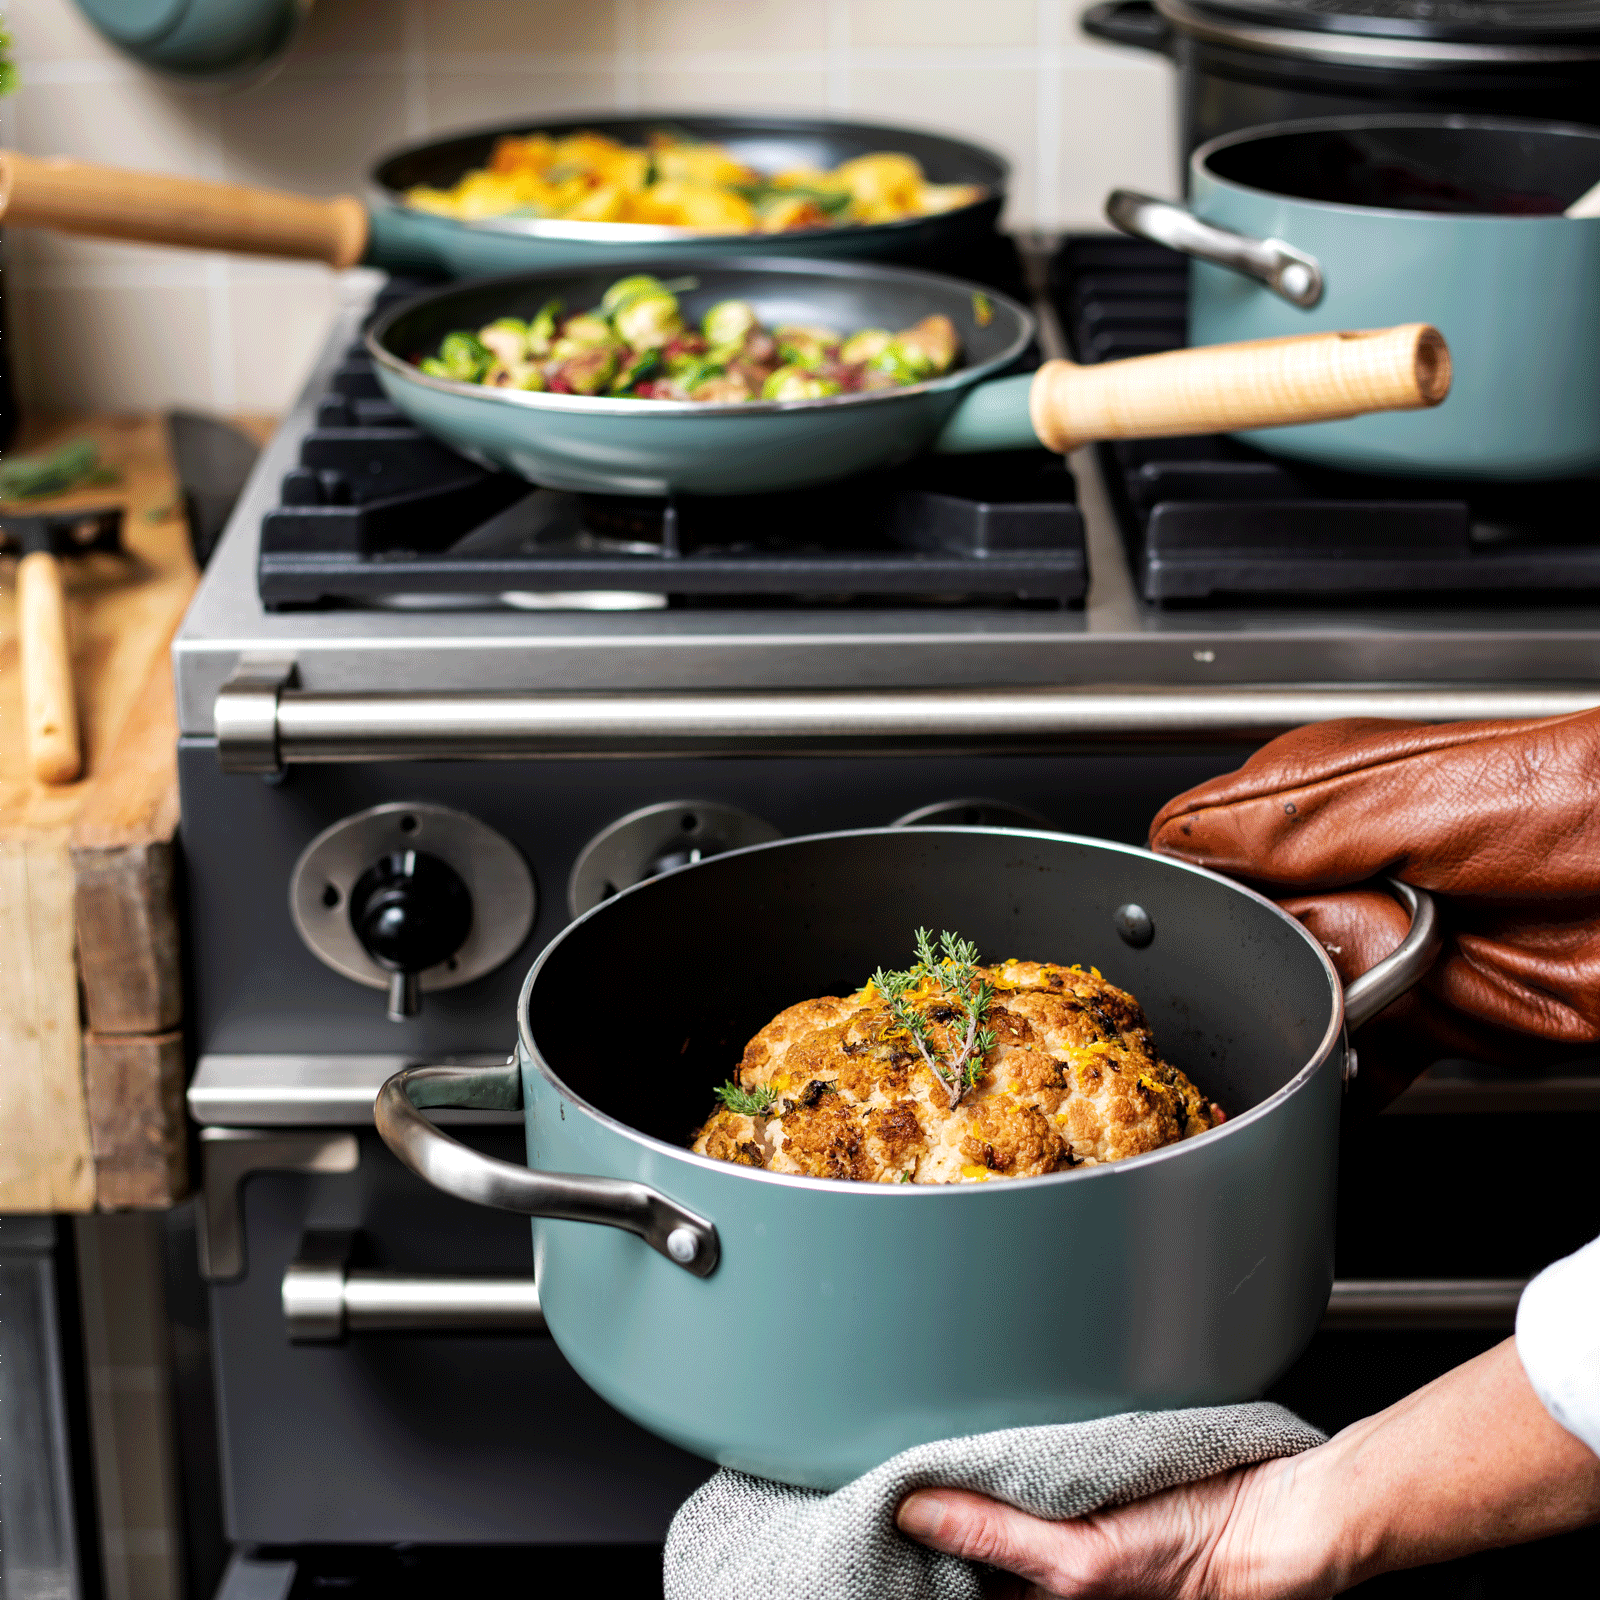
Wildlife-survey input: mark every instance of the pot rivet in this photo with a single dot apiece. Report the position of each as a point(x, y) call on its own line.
point(1134, 925)
point(682, 1245)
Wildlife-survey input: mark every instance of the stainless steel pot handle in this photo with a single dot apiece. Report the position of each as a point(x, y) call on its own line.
point(1289, 273)
point(687, 1240)
point(1403, 966)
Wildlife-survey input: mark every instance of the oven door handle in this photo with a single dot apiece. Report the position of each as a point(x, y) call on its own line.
point(685, 1239)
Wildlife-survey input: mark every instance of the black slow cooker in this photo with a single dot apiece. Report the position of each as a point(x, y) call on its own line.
point(1242, 63)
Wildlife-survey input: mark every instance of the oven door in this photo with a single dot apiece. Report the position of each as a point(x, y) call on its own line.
point(382, 1371)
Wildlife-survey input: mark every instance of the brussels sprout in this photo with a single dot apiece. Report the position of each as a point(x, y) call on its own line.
point(590, 370)
point(723, 387)
point(626, 290)
point(507, 338)
point(532, 379)
point(898, 365)
point(794, 383)
point(864, 346)
point(933, 342)
point(583, 330)
point(689, 374)
point(728, 321)
point(542, 329)
point(805, 347)
point(644, 364)
point(462, 356)
point(649, 322)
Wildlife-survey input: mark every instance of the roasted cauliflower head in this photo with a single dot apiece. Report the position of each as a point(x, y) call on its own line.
point(1060, 1071)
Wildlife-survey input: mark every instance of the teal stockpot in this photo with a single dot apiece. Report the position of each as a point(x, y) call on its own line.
point(806, 1329)
point(616, 445)
point(1356, 222)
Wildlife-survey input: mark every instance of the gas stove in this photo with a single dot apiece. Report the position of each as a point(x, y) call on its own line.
point(394, 655)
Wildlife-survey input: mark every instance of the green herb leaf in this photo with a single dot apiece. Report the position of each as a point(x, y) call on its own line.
point(952, 967)
point(72, 466)
point(748, 1102)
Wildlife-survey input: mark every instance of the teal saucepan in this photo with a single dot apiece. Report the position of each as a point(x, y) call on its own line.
point(385, 232)
point(807, 1329)
point(627, 446)
point(1363, 221)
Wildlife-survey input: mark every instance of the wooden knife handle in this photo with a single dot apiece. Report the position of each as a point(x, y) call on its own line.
point(1222, 388)
point(49, 703)
point(110, 203)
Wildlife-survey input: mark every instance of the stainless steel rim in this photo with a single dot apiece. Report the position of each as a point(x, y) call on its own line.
point(1364, 49)
point(948, 1193)
point(596, 405)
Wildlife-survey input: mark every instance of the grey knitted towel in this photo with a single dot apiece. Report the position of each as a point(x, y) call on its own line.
point(744, 1538)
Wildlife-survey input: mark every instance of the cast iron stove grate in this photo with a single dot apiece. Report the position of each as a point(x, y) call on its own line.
point(1208, 520)
point(378, 514)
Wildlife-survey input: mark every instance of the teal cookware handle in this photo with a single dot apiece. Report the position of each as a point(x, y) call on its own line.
point(687, 1240)
point(1218, 388)
point(1289, 273)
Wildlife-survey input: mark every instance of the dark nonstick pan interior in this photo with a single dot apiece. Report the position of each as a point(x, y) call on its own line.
point(1459, 164)
point(844, 296)
point(768, 144)
point(643, 1006)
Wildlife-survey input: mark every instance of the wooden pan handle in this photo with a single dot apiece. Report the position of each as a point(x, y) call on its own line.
point(49, 703)
point(110, 203)
point(1312, 377)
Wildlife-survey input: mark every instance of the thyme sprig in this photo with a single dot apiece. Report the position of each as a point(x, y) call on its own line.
point(951, 970)
point(748, 1102)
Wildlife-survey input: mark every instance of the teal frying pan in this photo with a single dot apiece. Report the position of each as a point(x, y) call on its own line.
point(625, 446)
point(382, 231)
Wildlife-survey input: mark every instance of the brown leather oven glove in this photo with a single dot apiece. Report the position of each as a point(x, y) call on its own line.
point(1500, 820)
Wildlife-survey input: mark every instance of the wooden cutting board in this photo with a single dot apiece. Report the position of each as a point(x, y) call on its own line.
point(91, 1059)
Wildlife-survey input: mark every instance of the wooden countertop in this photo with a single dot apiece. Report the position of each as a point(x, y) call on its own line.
point(94, 1114)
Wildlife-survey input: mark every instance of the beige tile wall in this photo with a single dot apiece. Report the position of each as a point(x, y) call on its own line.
point(124, 326)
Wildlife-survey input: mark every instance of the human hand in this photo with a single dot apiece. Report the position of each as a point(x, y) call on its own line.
point(1253, 1534)
point(1499, 820)
point(1469, 1462)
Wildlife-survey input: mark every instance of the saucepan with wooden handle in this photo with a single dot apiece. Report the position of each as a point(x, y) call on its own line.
point(616, 445)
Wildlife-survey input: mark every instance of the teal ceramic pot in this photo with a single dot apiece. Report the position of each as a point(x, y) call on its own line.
point(1452, 221)
point(642, 447)
point(806, 1330)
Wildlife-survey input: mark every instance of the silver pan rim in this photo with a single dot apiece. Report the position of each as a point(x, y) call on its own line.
point(1319, 1059)
point(615, 405)
point(627, 233)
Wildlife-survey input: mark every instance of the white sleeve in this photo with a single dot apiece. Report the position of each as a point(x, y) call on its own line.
point(1558, 1341)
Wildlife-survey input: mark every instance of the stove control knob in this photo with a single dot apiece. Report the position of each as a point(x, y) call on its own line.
point(411, 911)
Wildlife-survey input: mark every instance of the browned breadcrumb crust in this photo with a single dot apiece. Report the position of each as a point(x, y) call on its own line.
point(1073, 1079)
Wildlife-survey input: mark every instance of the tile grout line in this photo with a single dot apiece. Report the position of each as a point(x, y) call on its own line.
point(415, 41)
point(838, 55)
point(625, 55)
point(1047, 205)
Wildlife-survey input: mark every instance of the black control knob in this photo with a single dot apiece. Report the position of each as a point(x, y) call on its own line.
point(680, 854)
point(410, 910)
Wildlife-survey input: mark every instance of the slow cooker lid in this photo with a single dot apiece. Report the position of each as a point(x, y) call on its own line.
point(1398, 32)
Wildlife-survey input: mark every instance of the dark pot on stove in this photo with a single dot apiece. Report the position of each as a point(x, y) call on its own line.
point(1242, 63)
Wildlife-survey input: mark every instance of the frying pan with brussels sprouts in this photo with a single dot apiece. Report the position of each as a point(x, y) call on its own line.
point(637, 344)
